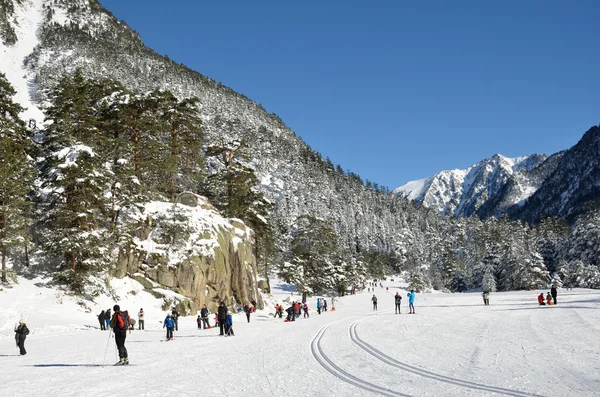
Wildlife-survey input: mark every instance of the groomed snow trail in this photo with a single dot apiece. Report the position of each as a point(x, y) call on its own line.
point(453, 346)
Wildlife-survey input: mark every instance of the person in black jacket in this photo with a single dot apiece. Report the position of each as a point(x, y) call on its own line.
point(554, 293)
point(102, 320)
point(204, 317)
point(398, 301)
point(222, 316)
point(21, 332)
point(247, 310)
point(120, 333)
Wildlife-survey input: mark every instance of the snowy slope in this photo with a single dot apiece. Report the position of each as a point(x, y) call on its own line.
point(464, 192)
point(14, 58)
point(453, 346)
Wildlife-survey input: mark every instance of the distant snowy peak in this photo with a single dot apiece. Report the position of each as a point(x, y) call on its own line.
point(464, 192)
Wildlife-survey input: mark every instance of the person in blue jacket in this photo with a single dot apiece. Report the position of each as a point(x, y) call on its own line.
point(229, 324)
point(411, 301)
point(169, 323)
point(319, 305)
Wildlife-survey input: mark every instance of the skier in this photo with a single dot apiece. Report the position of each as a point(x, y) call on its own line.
point(169, 323)
point(554, 293)
point(175, 315)
point(541, 299)
point(222, 315)
point(324, 304)
point(102, 320)
point(247, 310)
point(319, 305)
point(120, 323)
point(229, 324)
point(204, 316)
point(397, 301)
point(411, 301)
point(486, 298)
point(141, 319)
point(305, 307)
point(374, 300)
point(21, 332)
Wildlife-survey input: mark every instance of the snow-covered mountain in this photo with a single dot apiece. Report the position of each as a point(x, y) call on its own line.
point(570, 185)
point(500, 180)
point(42, 39)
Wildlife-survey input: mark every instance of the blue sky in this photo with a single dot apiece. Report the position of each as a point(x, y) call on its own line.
point(396, 90)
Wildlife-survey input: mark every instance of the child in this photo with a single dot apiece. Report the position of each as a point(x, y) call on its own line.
point(199, 322)
point(548, 299)
point(216, 320)
point(229, 324)
point(170, 325)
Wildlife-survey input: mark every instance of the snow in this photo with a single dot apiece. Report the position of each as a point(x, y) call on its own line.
point(28, 16)
point(412, 189)
point(453, 346)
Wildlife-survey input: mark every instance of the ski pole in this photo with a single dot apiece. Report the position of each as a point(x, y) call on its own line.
point(106, 350)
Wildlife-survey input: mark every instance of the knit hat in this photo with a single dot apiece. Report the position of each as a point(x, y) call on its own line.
point(116, 308)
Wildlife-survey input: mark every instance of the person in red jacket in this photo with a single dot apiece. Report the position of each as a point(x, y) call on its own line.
point(541, 299)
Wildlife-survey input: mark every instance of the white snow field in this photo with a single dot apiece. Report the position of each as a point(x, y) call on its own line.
point(453, 346)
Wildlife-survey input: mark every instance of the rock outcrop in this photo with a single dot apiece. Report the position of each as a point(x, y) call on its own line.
point(195, 252)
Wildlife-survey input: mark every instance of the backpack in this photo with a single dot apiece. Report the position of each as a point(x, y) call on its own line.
point(123, 322)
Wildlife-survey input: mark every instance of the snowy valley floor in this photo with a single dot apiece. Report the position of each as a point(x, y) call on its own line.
point(453, 346)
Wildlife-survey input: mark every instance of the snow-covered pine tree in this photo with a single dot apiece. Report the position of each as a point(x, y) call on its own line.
point(182, 158)
point(74, 181)
point(313, 248)
point(16, 173)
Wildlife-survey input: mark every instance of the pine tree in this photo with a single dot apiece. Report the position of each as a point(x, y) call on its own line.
point(74, 179)
point(183, 160)
point(16, 173)
point(314, 243)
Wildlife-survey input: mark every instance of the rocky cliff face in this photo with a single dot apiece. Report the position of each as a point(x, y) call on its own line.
point(191, 249)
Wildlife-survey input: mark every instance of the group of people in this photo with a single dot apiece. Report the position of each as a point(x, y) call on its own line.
point(398, 301)
point(550, 297)
point(294, 311)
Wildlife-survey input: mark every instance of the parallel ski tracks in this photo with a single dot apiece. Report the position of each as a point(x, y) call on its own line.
point(328, 364)
point(343, 375)
point(428, 374)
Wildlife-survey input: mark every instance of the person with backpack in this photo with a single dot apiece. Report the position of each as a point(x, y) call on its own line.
point(141, 320)
point(204, 317)
point(374, 300)
point(222, 316)
point(411, 301)
point(21, 332)
point(397, 301)
point(229, 324)
point(120, 324)
point(175, 315)
point(102, 320)
point(247, 311)
point(169, 323)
